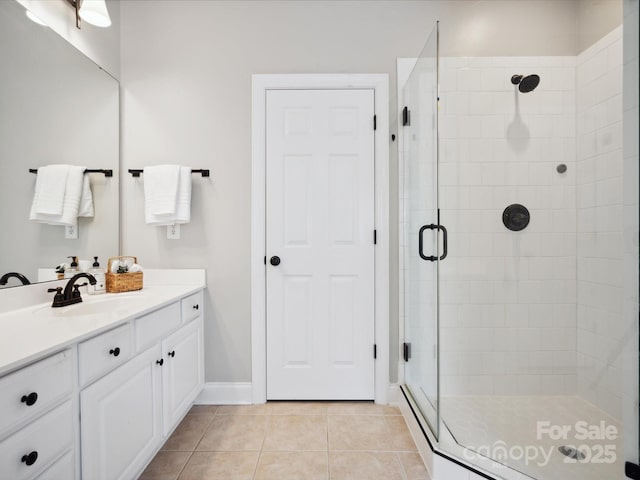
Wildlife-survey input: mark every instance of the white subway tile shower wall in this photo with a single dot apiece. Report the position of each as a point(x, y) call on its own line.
point(600, 223)
point(508, 316)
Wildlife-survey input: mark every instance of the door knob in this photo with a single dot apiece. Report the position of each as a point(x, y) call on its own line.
point(275, 261)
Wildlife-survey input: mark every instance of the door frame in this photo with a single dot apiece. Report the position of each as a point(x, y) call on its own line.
point(379, 83)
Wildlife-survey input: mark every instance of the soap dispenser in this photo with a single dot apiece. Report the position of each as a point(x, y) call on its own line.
point(101, 281)
point(72, 269)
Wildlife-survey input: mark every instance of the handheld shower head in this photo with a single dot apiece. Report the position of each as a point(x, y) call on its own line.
point(526, 84)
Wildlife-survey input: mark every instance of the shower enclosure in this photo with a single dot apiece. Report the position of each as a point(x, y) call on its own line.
point(520, 258)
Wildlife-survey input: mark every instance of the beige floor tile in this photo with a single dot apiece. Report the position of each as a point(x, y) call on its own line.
point(298, 408)
point(258, 409)
point(400, 435)
point(292, 466)
point(235, 432)
point(220, 466)
point(359, 432)
point(204, 409)
point(364, 465)
point(187, 435)
point(413, 466)
point(360, 408)
point(296, 433)
point(165, 466)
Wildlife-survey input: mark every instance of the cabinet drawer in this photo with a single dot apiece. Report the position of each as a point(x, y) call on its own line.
point(192, 306)
point(63, 469)
point(31, 450)
point(152, 327)
point(103, 353)
point(31, 390)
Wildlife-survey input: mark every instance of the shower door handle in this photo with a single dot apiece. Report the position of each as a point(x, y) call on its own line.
point(421, 242)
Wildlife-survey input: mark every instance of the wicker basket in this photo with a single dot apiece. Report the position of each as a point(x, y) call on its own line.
point(123, 282)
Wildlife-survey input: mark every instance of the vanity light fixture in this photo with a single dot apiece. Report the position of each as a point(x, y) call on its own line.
point(91, 11)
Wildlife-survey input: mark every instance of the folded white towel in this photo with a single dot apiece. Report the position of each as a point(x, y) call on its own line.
point(77, 200)
point(182, 202)
point(86, 199)
point(161, 189)
point(49, 192)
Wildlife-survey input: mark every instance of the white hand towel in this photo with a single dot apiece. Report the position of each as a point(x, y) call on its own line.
point(73, 196)
point(182, 207)
point(161, 189)
point(49, 192)
point(183, 203)
point(86, 199)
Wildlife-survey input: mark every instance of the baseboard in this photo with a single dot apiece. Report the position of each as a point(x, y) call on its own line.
point(225, 393)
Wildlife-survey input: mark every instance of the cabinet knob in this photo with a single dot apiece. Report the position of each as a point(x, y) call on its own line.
point(172, 353)
point(115, 351)
point(196, 306)
point(30, 459)
point(160, 362)
point(30, 399)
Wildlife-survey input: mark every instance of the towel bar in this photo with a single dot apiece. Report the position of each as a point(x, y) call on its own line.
point(204, 172)
point(107, 173)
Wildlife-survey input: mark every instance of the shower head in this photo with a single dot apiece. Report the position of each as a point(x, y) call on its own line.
point(526, 84)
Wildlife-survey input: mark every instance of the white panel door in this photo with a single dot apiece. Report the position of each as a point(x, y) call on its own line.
point(319, 224)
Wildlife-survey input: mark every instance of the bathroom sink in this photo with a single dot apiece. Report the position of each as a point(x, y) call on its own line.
point(119, 303)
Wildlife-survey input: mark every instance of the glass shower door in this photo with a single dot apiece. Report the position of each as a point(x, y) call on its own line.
point(421, 231)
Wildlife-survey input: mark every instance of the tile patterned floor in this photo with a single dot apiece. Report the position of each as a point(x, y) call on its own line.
point(289, 441)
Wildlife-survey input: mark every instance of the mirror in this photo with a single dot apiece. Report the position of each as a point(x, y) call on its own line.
point(56, 107)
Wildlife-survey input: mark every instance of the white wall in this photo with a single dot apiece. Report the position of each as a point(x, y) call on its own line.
point(186, 77)
point(595, 19)
point(186, 73)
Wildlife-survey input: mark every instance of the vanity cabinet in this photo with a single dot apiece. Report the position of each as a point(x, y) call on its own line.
point(37, 425)
point(121, 419)
point(127, 414)
point(182, 372)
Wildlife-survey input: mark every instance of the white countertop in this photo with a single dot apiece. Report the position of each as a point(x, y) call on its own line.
point(30, 333)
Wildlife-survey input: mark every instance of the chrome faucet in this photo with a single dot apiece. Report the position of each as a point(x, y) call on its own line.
point(71, 293)
point(19, 276)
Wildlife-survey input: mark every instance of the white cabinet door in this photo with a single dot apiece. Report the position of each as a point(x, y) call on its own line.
point(182, 372)
point(319, 244)
point(121, 423)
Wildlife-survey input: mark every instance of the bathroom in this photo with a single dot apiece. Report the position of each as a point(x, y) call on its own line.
point(184, 71)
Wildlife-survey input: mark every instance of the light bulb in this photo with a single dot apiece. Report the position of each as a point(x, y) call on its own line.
point(95, 12)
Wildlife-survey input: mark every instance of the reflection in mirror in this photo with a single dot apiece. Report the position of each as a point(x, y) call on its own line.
point(56, 107)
